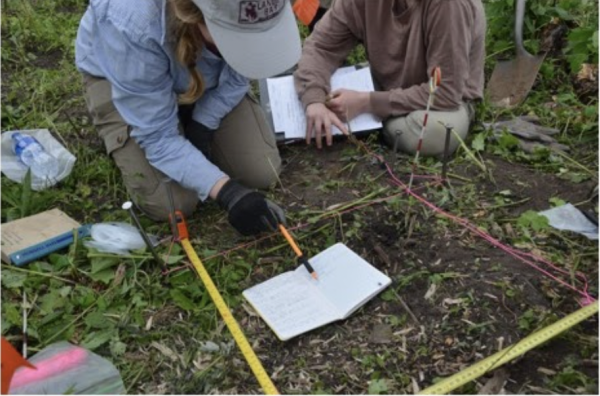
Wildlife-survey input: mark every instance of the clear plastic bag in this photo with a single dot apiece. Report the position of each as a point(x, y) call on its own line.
point(63, 368)
point(16, 170)
point(117, 238)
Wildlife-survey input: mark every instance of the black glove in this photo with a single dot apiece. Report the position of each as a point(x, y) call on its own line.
point(201, 137)
point(249, 211)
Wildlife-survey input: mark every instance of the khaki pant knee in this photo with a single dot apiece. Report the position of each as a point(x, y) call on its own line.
point(402, 133)
point(158, 207)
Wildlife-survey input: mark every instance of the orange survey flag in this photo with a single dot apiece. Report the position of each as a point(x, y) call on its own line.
point(11, 361)
point(306, 10)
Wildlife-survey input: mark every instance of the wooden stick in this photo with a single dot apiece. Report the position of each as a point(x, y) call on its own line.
point(406, 308)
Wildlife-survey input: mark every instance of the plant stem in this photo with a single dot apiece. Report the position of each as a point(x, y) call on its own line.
point(12, 268)
point(480, 164)
point(508, 204)
point(577, 164)
point(499, 52)
point(137, 376)
point(93, 255)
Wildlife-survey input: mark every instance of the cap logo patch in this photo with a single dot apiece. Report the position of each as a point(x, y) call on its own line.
point(256, 11)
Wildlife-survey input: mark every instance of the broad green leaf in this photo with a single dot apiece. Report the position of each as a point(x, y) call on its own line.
point(51, 302)
point(64, 291)
point(117, 348)
point(377, 387)
point(556, 202)
point(59, 261)
point(64, 326)
point(388, 295)
point(101, 263)
point(181, 300)
point(83, 296)
point(478, 143)
point(97, 320)
point(576, 60)
point(97, 338)
point(138, 300)
point(533, 220)
point(581, 34)
point(563, 14)
point(5, 325)
point(11, 313)
point(174, 259)
point(104, 276)
point(508, 141)
point(13, 279)
point(501, 45)
point(51, 317)
point(591, 111)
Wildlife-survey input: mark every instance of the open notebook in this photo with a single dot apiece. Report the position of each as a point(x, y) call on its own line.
point(287, 110)
point(293, 303)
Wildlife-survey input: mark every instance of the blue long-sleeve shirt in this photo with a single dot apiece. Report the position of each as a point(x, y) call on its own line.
point(127, 42)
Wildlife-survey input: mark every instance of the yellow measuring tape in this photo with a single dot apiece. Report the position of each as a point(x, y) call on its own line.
point(507, 354)
point(239, 337)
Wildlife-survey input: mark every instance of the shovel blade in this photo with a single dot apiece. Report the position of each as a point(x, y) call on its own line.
point(512, 80)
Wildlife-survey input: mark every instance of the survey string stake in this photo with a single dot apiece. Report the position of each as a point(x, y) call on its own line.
point(446, 152)
point(178, 226)
point(128, 206)
point(434, 82)
point(301, 258)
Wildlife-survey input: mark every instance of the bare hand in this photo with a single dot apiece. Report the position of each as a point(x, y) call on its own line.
point(347, 104)
point(318, 122)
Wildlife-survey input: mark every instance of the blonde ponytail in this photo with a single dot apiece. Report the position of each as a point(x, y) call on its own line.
point(184, 17)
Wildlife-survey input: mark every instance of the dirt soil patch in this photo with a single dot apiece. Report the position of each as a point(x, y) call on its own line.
point(467, 298)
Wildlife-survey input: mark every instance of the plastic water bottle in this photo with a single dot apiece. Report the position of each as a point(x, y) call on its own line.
point(33, 154)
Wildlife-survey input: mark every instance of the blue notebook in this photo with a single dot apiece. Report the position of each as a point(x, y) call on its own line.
point(33, 237)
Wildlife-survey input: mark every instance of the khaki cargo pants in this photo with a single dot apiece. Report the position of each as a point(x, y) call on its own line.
point(244, 147)
point(402, 133)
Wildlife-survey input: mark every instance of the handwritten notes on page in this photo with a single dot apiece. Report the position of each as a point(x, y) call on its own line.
point(293, 303)
point(288, 113)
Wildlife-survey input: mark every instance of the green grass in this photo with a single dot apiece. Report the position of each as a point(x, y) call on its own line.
point(154, 328)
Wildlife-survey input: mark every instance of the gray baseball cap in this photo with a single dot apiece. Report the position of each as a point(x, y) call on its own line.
point(257, 38)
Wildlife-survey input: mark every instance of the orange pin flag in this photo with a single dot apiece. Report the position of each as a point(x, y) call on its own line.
point(11, 361)
point(306, 10)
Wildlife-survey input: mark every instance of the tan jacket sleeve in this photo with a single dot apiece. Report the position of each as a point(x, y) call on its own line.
point(447, 26)
point(324, 51)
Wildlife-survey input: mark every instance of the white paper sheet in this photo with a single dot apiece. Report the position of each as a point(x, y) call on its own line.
point(291, 305)
point(288, 114)
point(346, 280)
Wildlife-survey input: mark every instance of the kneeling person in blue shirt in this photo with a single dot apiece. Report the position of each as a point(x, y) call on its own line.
point(166, 83)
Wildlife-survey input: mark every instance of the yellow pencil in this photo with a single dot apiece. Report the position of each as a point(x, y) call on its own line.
point(298, 252)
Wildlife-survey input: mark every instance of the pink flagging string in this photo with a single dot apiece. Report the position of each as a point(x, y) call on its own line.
point(48, 368)
point(520, 255)
point(525, 257)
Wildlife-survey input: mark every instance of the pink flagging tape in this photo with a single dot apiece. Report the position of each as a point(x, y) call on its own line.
point(50, 367)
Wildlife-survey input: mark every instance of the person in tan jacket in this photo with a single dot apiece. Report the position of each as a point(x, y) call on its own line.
point(404, 41)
